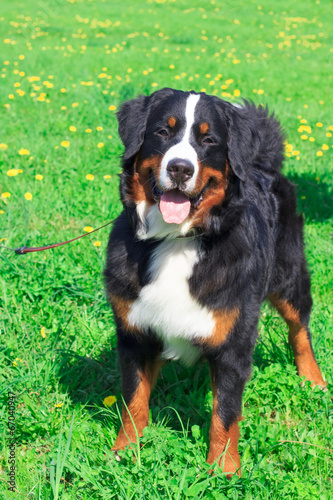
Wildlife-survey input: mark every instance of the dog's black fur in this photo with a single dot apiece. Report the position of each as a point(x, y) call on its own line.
point(250, 248)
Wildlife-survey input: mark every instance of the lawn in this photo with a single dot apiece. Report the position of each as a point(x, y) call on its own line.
point(65, 67)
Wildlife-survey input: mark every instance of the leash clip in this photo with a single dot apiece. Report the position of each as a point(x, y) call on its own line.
point(20, 251)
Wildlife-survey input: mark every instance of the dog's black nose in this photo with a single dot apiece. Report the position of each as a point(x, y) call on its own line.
point(180, 170)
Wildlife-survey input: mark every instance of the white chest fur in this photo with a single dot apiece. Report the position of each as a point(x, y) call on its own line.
point(166, 305)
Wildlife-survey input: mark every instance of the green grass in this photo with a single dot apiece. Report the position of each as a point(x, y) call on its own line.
point(58, 344)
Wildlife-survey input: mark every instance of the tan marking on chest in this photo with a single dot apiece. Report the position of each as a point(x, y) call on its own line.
point(224, 324)
point(121, 307)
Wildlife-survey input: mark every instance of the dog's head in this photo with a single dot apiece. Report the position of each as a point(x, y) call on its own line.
point(183, 152)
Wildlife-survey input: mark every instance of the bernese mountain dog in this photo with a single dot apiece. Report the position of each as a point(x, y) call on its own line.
point(209, 231)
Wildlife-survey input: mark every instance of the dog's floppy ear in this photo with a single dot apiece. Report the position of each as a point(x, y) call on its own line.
point(243, 138)
point(132, 119)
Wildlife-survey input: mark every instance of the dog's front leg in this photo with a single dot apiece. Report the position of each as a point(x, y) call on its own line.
point(229, 371)
point(139, 362)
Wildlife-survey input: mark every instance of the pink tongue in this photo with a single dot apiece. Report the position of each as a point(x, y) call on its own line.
point(174, 206)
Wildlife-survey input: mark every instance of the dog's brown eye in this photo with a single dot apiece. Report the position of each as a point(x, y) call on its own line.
point(208, 141)
point(163, 132)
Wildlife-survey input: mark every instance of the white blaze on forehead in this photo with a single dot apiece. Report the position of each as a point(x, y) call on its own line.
point(191, 103)
point(183, 149)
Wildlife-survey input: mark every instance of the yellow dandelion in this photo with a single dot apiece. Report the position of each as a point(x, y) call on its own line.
point(330, 128)
point(319, 153)
point(100, 145)
point(88, 130)
point(6, 195)
point(58, 405)
point(112, 107)
point(72, 128)
point(304, 137)
point(328, 134)
point(39, 177)
point(21, 57)
point(228, 82)
point(11, 96)
point(295, 153)
point(319, 124)
point(99, 129)
point(88, 229)
point(42, 332)
point(24, 152)
point(90, 177)
point(109, 401)
point(12, 172)
point(63, 108)
point(311, 139)
point(154, 84)
point(260, 91)
point(97, 243)
point(28, 196)
point(2, 212)
point(236, 92)
point(75, 104)
point(107, 177)
point(304, 128)
point(325, 147)
point(64, 144)
point(303, 120)
point(172, 66)
point(63, 91)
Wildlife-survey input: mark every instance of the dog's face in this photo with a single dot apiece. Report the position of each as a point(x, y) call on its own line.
point(177, 161)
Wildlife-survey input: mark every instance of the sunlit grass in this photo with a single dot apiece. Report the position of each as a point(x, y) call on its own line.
point(65, 68)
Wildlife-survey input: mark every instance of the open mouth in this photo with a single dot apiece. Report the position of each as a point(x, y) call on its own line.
point(174, 204)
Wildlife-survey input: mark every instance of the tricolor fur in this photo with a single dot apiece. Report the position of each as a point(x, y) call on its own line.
point(208, 232)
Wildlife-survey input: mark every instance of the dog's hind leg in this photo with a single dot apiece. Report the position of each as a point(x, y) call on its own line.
point(296, 313)
point(290, 289)
point(140, 364)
